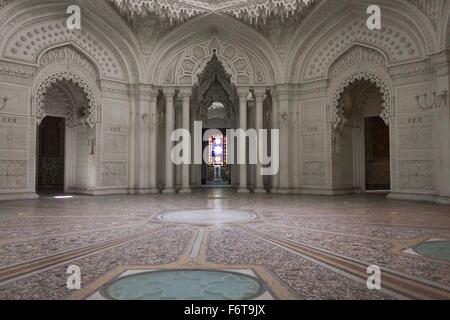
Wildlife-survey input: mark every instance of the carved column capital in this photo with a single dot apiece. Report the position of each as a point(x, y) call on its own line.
point(153, 93)
point(260, 93)
point(169, 92)
point(185, 92)
point(243, 92)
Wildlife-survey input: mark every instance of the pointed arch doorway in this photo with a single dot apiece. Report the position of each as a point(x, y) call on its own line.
point(215, 98)
point(365, 143)
point(64, 141)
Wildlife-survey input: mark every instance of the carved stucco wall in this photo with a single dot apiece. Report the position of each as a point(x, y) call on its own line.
point(185, 66)
point(27, 43)
point(359, 63)
point(321, 52)
point(414, 142)
point(114, 143)
point(68, 64)
point(17, 140)
point(324, 40)
point(313, 152)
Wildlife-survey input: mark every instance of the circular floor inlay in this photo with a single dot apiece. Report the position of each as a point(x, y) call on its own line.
point(207, 217)
point(184, 285)
point(434, 249)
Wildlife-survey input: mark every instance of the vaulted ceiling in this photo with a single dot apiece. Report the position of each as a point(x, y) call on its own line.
point(173, 13)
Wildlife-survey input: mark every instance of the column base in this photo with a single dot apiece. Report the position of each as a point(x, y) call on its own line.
point(147, 191)
point(169, 191)
point(19, 196)
point(99, 192)
point(185, 190)
point(260, 190)
point(419, 197)
point(282, 191)
point(243, 190)
point(443, 200)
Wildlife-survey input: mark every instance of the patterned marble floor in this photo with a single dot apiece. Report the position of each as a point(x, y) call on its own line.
point(301, 247)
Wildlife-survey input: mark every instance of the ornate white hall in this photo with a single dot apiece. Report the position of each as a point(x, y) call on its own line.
point(363, 118)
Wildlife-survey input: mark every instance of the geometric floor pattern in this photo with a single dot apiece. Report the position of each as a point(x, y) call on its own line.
point(299, 247)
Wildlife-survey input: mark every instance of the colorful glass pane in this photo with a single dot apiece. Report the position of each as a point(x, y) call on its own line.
point(217, 155)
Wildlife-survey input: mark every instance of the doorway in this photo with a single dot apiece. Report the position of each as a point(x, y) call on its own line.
point(51, 149)
point(365, 145)
point(216, 171)
point(377, 154)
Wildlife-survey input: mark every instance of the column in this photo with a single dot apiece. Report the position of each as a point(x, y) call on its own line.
point(132, 142)
point(186, 96)
point(242, 150)
point(283, 92)
point(443, 115)
point(170, 127)
point(296, 143)
point(153, 133)
point(275, 125)
point(259, 96)
point(143, 118)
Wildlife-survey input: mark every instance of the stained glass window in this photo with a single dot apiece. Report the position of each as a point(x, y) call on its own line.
point(218, 150)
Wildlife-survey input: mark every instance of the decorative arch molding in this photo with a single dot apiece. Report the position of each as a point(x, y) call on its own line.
point(60, 104)
point(29, 29)
point(187, 65)
point(255, 46)
point(376, 76)
point(71, 55)
point(215, 85)
point(63, 68)
point(356, 54)
point(444, 30)
point(27, 43)
point(401, 39)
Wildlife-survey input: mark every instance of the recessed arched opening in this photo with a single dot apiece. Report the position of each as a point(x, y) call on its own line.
point(214, 99)
point(364, 149)
point(64, 141)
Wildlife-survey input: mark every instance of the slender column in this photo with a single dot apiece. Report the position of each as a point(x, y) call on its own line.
point(154, 127)
point(242, 150)
point(186, 96)
point(178, 106)
point(260, 94)
point(276, 126)
point(143, 163)
point(170, 127)
point(284, 139)
point(295, 119)
point(131, 143)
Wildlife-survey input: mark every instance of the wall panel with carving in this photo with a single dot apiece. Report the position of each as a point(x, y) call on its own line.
point(313, 145)
point(114, 143)
point(16, 132)
point(415, 144)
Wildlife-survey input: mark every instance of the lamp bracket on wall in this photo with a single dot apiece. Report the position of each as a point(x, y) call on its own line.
point(291, 117)
point(3, 102)
point(437, 100)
